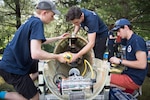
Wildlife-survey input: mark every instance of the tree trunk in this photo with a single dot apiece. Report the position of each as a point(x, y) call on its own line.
point(18, 13)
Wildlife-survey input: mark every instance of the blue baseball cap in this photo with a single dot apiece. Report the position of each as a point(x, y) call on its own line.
point(119, 23)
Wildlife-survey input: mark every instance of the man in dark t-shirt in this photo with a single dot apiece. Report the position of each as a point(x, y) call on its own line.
point(97, 31)
point(21, 55)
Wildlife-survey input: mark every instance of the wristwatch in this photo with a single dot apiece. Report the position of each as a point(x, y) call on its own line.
point(120, 61)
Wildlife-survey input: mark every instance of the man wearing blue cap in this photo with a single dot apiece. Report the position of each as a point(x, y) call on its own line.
point(135, 63)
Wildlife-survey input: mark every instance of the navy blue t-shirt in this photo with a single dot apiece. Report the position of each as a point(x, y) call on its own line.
point(93, 23)
point(134, 44)
point(17, 56)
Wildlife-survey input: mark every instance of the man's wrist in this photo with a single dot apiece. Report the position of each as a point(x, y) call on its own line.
point(120, 62)
point(73, 34)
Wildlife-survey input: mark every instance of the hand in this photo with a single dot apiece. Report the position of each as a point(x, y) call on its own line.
point(60, 58)
point(75, 57)
point(65, 57)
point(114, 60)
point(65, 35)
point(70, 57)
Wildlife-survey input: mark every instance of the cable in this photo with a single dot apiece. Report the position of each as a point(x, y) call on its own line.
point(85, 68)
point(92, 75)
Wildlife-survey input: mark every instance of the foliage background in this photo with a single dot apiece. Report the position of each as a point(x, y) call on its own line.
point(15, 12)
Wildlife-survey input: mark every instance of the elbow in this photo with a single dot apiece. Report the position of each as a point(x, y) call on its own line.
point(144, 66)
point(34, 55)
point(92, 44)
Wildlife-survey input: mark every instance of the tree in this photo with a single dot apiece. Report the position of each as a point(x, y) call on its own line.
point(137, 11)
point(12, 14)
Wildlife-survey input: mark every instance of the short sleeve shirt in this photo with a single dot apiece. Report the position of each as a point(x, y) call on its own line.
point(93, 23)
point(134, 44)
point(17, 56)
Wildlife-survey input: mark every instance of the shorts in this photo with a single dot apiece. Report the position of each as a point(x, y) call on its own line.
point(2, 94)
point(23, 84)
point(124, 81)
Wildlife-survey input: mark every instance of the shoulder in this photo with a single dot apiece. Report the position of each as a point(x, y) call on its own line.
point(88, 12)
point(138, 42)
point(35, 21)
point(137, 38)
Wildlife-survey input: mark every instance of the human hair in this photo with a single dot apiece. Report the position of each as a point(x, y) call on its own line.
point(130, 27)
point(73, 13)
point(38, 11)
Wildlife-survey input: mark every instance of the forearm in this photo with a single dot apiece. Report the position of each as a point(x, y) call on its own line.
point(38, 53)
point(85, 49)
point(43, 55)
point(50, 40)
point(137, 64)
point(89, 45)
point(76, 29)
point(134, 64)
